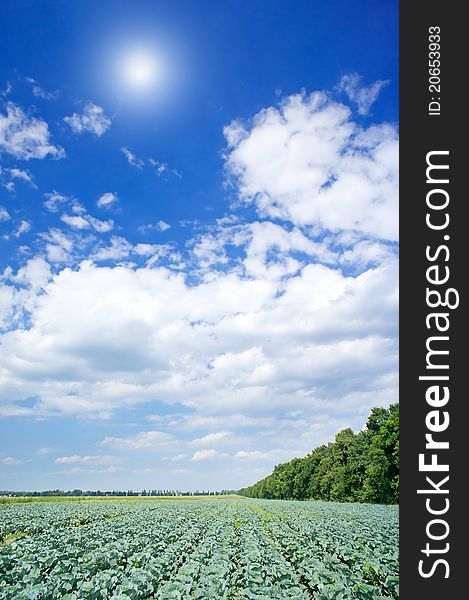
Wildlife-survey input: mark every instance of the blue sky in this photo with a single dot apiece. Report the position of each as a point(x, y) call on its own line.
point(198, 229)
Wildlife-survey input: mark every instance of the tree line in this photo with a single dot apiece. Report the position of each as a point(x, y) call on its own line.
point(78, 493)
point(356, 467)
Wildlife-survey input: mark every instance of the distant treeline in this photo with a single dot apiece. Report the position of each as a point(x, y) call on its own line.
point(79, 493)
point(361, 467)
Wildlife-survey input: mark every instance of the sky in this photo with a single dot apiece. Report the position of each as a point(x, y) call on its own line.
point(198, 234)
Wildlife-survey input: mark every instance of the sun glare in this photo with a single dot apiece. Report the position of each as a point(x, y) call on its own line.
point(140, 70)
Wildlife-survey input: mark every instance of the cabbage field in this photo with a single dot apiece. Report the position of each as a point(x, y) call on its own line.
point(212, 548)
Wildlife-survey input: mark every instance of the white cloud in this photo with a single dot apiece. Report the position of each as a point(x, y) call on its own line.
point(86, 471)
point(211, 438)
point(156, 251)
point(75, 221)
point(22, 228)
point(10, 461)
point(159, 226)
point(277, 330)
point(145, 249)
point(309, 163)
point(363, 96)
point(92, 120)
point(85, 221)
point(54, 200)
point(209, 250)
point(175, 458)
point(100, 226)
point(58, 246)
point(143, 440)
point(270, 249)
point(206, 454)
point(77, 208)
point(57, 254)
point(160, 167)
point(106, 200)
point(24, 136)
point(35, 274)
point(117, 336)
point(22, 175)
point(367, 252)
point(19, 300)
point(118, 249)
point(39, 92)
point(132, 158)
point(100, 459)
point(9, 186)
point(162, 225)
point(4, 214)
point(276, 454)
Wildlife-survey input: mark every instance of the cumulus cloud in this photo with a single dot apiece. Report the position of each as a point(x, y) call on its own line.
point(85, 221)
point(80, 241)
point(118, 248)
point(367, 252)
point(156, 251)
point(158, 226)
point(206, 454)
point(22, 175)
point(115, 336)
point(270, 250)
point(22, 228)
point(4, 214)
point(309, 163)
point(35, 274)
point(145, 249)
point(363, 96)
point(211, 438)
point(100, 226)
point(58, 245)
point(106, 200)
point(76, 221)
point(53, 200)
point(92, 119)
point(277, 329)
point(24, 136)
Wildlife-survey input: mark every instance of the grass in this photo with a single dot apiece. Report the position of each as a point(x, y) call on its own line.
point(25, 499)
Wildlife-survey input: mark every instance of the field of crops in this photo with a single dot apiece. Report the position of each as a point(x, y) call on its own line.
point(206, 549)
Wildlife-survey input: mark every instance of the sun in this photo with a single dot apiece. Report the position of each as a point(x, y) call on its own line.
point(140, 70)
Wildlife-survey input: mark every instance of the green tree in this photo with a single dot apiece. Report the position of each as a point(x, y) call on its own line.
point(362, 467)
point(382, 470)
